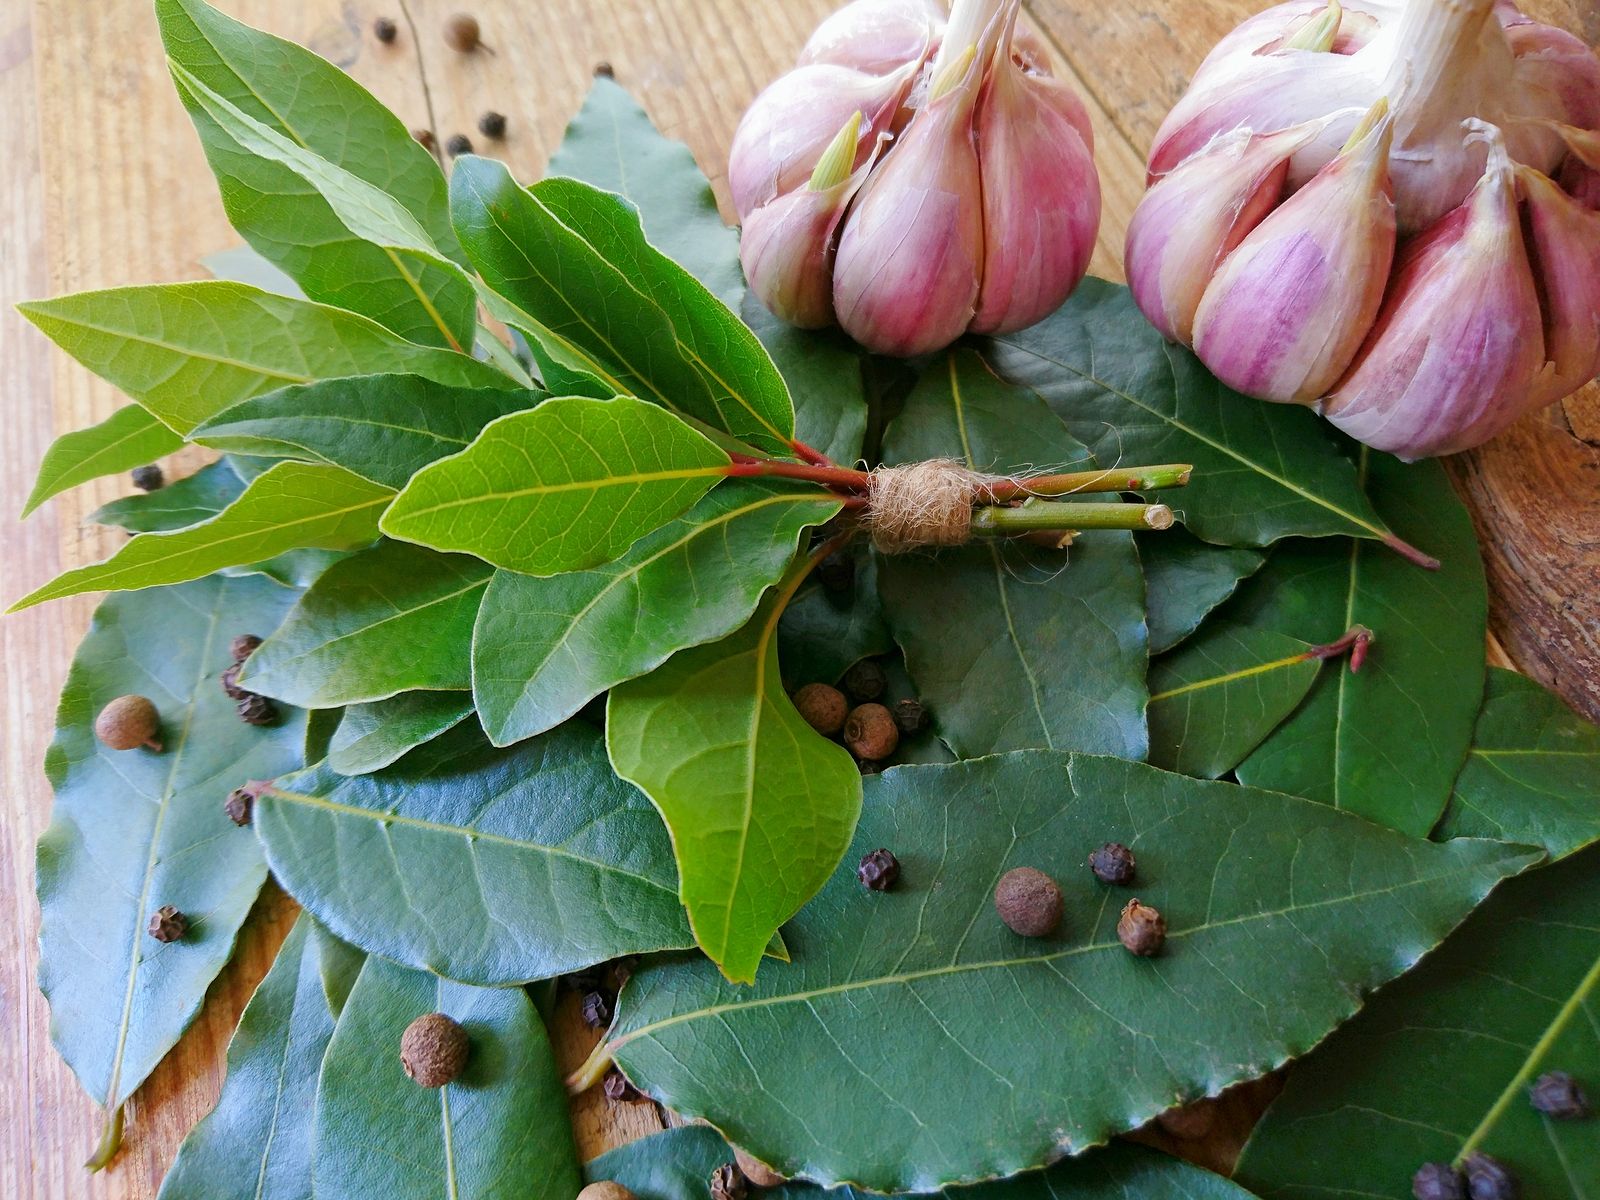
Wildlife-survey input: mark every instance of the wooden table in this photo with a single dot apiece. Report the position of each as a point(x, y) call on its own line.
point(102, 182)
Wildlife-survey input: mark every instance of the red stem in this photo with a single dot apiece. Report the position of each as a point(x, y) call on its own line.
point(1356, 640)
point(1410, 553)
point(745, 467)
point(813, 456)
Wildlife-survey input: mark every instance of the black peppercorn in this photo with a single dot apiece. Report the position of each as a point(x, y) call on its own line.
point(384, 29)
point(243, 646)
point(492, 125)
point(617, 1088)
point(1488, 1178)
point(729, 1183)
point(1112, 863)
point(462, 33)
point(1438, 1181)
point(458, 145)
point(425, 139)
point(1142, 929)
point(1557, 1094)
point(1029, 902)
point(603, 70)
point(433, 1050)
point(147, 479)
point(837, 573)
point(865, 681)
point(256, 710)
point(168, 924)
point(239, 805)
point(879, 870)
point(596, 1010)
point(128, 722)
point(911, 716)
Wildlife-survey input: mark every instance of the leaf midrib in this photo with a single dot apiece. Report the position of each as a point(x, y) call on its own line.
point(577, 485)
point(1230, 677)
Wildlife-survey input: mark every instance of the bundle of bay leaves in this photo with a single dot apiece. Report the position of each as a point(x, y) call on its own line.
point(530, 651)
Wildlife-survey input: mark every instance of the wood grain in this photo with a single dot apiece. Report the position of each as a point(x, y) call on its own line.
point(104, 184)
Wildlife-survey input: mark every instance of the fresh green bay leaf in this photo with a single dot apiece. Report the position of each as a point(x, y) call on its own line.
point(292, 568)
point(372, 736)
point(186, 351)
point(1280, 914)
point(256, 1144)
point(490, 866)
point(179, 504)
point(1015, 646)
point(128, 438)
point(563, 487)
point(1438, 1064)
point(134, 830)
point(1185, 579)
point(543, 648)
point(338, 966)
point(1215, 698)
point(384, 428)
point(244, 264)
point(293, 505)
point(1385, 742)
point(823, 634)
point(1533, 773)
point(1261, 471)
point(760, 805)
point(823, 369)
point(394, 618)
point(499, 1132)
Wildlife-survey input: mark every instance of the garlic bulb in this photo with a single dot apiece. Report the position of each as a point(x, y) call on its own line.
point(1370, 259)
point(916, 177)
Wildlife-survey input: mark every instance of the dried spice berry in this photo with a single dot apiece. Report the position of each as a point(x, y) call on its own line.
point(147, 479)
point(879, 870)
point(871, 733)
point(911, 716)
point(824, 708)
point(128, 722)
point(1029, 902)
point(243, 646)
point(1112, 863)
point(617, 1087)
point(168, 924)
point(1438, 1181)
point(596, 1009)
point(425, 139)
point(757, 1172)
point(384, 29)
point(1142, 929)
point(492, 124)
point(606, 1189)
point(462, 32)
point(837, 573)
point(868, 768)
point(458, 145)
point(433, 1049)
point(230, 682)
point(1488, 1178)
point(256, 710)
point(239, 805)
point(603, 70)
point(1557, 1094)
point(865, 681)
point(729, 1183)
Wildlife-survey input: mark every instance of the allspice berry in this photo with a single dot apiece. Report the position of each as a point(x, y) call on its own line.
point(871, 733)
point(1488, 1178)
point(756, 1171)
point(167, 924)
point(384, 29)
point(256, 710)
point(1438, 1181)
point(1029, 902)
point(606, 1189)
point(147, 479)
point(433, 1050)
point(492, 125)
point(1142, 929)
point(462, 32)
point(243, 646)
point(1557, 1094)
point(127, 722)
point(911, 716)
point(230, 682)
point(824, 708)
point(879, 870)
point(458, 145)
point(1112, 863)
point(239, 805)
point(865, 681)
point(729, 1183)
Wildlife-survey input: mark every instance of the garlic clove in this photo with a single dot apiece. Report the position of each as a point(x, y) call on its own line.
point(1190, 220)
point(1564, 244)
point(875, 36)
point(1459, 343)
point(1556, 75)
point(1287, 311)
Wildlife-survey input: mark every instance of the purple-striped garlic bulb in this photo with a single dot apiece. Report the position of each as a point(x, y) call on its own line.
point(916, 177)
point(1385, 209)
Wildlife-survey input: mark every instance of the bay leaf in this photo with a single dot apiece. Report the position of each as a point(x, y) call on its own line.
point(543, 648)
point(1214, 699)
point(338, 965)
point(1439, 1062)
point(823, 369)
point(821, 635)
point(563, 487)
point(1280, 912)
point(244, 264)
point(1185, 579)
point(186, 351)
point(179, 504)
point(760, 805)
point(485, 865)
point(128, 438)
point(384, 428)
point(395, 618)
point(291, 506)
point(1388, 741)
point(1261, 471)
point(133, 830)
point(1533, 773)
point(1015, 646)
point(371, 736)
point(256, 1144)
point(499, 1132)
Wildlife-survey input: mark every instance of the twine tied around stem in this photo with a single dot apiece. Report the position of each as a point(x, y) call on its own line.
point(923, 504)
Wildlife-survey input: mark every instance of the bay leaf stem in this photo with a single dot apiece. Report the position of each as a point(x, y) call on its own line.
point(1054, 515)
